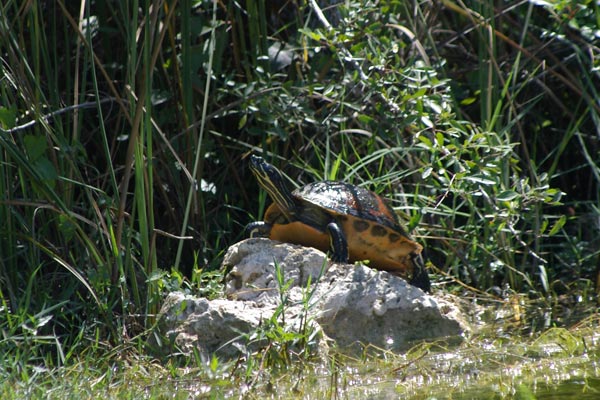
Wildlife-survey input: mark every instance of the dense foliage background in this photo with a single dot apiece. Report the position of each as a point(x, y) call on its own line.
point(125, 127)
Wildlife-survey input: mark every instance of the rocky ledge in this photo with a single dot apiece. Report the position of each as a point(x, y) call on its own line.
point(349, 305)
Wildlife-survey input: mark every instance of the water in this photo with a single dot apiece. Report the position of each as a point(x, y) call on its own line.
point(529, 357)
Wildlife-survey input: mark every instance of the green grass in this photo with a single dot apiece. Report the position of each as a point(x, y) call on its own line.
point(486, 365)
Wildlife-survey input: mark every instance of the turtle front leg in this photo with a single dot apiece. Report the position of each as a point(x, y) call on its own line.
point(258, 229)
point(337, 243)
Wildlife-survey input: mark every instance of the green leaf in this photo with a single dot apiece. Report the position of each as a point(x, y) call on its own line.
point(544, 226)
point(214, 363)
point(468, 100)
point(8, 117)
point(365, 119)
point(243, 121)
point(439, 138)
point(507, 195)
point(425, 140)
point(312, 34)
point(46, 169)
point(426, 173)
point(35, 146)
point(558, 225)
point(481, 179)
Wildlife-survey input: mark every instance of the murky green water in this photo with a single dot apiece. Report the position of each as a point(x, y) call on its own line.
point(513, 355)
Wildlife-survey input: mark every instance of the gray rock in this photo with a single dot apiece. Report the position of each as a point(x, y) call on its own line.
point(253, 273)
point(209, 326)
point(350, 304)
point(361, 305)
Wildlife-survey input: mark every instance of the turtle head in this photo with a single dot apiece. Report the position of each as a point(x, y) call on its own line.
point(272, 180)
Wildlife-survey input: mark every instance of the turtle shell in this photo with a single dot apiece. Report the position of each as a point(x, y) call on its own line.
point(345, 199)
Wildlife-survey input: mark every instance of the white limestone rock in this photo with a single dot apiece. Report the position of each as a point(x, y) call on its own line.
point(351, 304)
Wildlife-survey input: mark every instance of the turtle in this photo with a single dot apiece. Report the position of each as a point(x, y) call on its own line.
point(351, 222)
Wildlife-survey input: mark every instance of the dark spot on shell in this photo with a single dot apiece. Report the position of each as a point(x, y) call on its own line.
point(360, 226)
point(394, 237)
point(377, 230)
